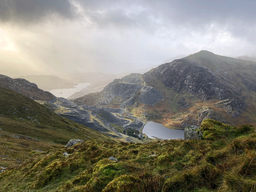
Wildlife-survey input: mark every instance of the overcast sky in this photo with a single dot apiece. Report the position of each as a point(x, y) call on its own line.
point(68, 36)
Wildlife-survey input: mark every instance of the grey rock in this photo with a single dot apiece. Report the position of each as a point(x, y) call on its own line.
point(119, 92)
point(113, 159)
point(192, 132)
point(149, 95)
point(2, 169)
point(136, 125)
point(153, 155)
point(66, 154)
point(73, 142)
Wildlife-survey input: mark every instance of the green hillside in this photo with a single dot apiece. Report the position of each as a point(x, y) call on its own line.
point(28, 128)
point(224, 160)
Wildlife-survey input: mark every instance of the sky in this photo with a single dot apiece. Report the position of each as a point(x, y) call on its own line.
point(61, 37)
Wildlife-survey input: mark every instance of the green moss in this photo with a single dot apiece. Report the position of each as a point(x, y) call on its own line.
point(188, 180)
point(123, 183)
point(223, 163)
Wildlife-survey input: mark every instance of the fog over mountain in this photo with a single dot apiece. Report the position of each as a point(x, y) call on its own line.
point(45, 37)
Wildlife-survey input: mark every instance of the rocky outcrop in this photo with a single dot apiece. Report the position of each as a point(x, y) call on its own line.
point(187, 78)
point(118, 92)
point(192, 132)
point(73, 142)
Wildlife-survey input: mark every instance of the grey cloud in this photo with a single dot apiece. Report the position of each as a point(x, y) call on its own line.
point(235, 16)
point(195, 11)
point(139, 13)
point(27, 11)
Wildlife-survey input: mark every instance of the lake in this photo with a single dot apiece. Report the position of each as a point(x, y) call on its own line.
point(157, 130)
point(65, 93)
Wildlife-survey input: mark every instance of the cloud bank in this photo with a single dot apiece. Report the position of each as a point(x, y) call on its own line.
point(69, 36)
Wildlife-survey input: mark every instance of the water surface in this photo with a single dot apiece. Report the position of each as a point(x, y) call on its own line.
point(157, 130)
point(65, 93)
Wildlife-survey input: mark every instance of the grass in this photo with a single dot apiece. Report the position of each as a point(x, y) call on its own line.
point(30, 129)
point(224, 160)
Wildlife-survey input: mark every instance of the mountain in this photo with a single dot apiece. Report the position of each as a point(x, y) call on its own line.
point(25, 88)
point(97, 81)
point(185, 91)
point(28, 129)
point(247, 58)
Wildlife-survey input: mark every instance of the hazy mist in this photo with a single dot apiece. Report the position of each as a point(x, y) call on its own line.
point(64, 37)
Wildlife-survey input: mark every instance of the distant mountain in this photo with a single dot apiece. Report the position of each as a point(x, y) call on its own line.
point(50, 82)
point(247, 58)
point(25, 88)
point(97, 81)
point(185, 91)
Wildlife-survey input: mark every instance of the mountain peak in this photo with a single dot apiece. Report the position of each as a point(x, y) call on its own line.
point(204, 53)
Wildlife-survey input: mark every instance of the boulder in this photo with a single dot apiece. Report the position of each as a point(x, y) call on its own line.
point(73, 142)
point(2, 169)
point(66, 154)
point(113, 159)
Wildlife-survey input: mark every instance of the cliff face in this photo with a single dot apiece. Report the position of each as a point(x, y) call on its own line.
point(186, 91)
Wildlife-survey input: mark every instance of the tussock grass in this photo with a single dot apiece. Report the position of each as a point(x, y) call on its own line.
point(224, 160)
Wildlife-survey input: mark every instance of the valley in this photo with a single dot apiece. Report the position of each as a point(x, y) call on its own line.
point(127, 96)
point(189, 121)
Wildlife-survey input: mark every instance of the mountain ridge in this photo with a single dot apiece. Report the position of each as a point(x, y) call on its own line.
point(183, 88)
point(25, 88)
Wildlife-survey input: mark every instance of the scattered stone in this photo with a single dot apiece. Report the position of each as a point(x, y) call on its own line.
point(38, 151)
point(66, 154)
point(152, 155)
point(72, 142)
point(2, 169)
point(113, 159)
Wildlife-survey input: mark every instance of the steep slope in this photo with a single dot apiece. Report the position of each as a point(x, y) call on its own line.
point(224, 161)
point(184, 92)
point(25, 88)
point(123, 92)
point(28, 128)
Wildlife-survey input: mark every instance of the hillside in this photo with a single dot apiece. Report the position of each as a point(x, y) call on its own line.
point(112, 122)
point(183, 92)
point(224, 160)
point(25, 88)
point(28, 128)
